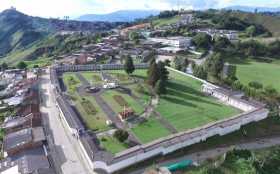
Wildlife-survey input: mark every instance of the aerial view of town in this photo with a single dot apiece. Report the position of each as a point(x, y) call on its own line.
point(140, 87)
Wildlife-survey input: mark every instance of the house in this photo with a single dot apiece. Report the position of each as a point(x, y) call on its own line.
point(22, 140)
point(33, 161)
point(28, 109)
point(16, 124)
point(126, 114)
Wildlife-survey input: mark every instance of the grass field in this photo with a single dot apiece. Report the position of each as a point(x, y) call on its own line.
point(185, 106)
point(166, 21)
point(266, 73)
point(150, 130)
point(108, 96)
point(93, 122)
point(92, 78)
point(112, 145)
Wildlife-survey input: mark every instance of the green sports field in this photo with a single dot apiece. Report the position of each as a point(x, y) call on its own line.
point(266, 73)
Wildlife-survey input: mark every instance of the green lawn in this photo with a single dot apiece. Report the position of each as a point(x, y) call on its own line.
point(150, 130)
point(166, 21)
point(266, 73)
point(185, 106)
point(93, 122)
point(108, 97)
point(92, 77)
point(112, 145)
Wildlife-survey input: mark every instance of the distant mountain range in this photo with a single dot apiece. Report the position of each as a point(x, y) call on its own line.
point(119, 16)
point(252, 9)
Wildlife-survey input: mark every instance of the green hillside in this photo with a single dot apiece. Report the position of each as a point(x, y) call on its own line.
point(272, 23)
point(28, 38)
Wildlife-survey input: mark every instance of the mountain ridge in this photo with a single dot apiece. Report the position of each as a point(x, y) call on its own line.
point(119, 16)
point(252, 8)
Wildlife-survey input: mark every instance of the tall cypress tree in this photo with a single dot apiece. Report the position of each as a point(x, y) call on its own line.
point(153, 74)
point(129, 65)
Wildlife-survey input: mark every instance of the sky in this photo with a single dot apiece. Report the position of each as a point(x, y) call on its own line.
point(75, 8)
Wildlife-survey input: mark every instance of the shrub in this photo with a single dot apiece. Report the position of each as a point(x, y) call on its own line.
point(121, 135)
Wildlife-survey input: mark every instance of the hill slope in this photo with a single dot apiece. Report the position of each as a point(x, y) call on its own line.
point(272, 23)
point(119, 16)
point(24, 37)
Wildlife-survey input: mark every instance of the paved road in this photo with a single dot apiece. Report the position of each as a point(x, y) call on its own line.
point(64, 148)
point(212, 153)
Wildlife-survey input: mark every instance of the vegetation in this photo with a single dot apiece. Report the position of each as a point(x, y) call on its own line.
point(128, 65)
point(202, 40)
point(93, 116)
point(112, 145)
point(243, 162)
point(150, 130)
point(121, 135)
point(21, 65)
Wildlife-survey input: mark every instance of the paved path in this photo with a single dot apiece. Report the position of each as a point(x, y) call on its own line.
point(63, 146)
point(212, 153)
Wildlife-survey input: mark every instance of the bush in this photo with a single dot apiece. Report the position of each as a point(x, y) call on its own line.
point(256, 85)
point(121, 135)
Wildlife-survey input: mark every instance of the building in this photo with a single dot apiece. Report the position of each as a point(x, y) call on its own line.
point(229, 97)
point(176, 42)
point(22, 140)
point(34, 161)
point(19, 123)
point(28, 109)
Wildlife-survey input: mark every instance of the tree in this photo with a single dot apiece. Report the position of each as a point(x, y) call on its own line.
point(121, 135)
point(160, 87)
point(153, 75)
point(21, 65)
point(4, 66)
point(214, 65)
point(129, 65)
point(202, 40)
point(199, 72)
point(221, 43)
point(177, 63)
point(162, 71)
point(251, 31)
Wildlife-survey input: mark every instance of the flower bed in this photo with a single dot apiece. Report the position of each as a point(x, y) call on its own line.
point(120, 100)
point(88, 107)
